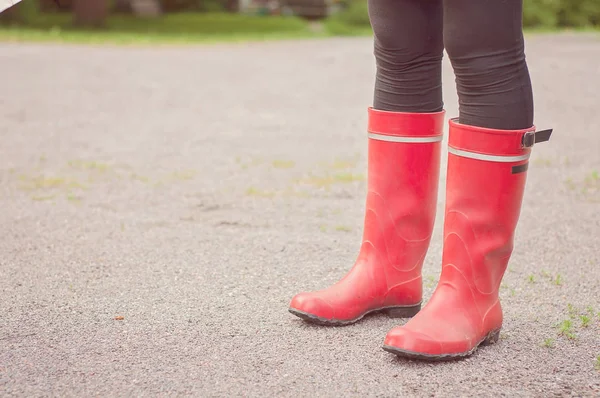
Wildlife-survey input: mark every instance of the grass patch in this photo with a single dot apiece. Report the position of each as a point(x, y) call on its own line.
point(337, 27)
point(570, 184)
point(591, 182)
point(542, 162)
point(283, 164)
point(193, 27)
point(545, 274)
point(566, 329)
point(141, 178)
point(588, 186)
point(354, 21)
point(548, 343)
point(252, 191)
point(252, 162)
point(585, 320)
point(41, 198)
point(348, 177)
point(430, 281)
point(558, 280)
point(341, 164)
point(88, 165)
point(343, 228)
point(73, 198)
point(43, 182)
point(170, 28)
point(572, 311)
point(292, 193)
point(328, 180)
point(591, 311)
point(182, 175)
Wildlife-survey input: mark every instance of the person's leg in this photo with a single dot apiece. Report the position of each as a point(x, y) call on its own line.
point(489, 147)
point(405, 133)
point(408, 52)
point(484, 41)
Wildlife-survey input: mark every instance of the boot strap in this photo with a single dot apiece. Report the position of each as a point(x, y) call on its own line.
point(533, 137)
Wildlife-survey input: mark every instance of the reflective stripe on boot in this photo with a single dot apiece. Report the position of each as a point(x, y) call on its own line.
point(485, 183)
point(403, 173)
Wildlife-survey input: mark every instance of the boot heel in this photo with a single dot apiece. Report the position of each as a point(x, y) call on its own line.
point(403, 312)
point(492, 338)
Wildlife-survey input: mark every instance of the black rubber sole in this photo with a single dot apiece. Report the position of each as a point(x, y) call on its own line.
point(491, 338)
point(392, 312)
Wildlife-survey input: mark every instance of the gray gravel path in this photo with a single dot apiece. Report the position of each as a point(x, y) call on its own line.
point(193, 191)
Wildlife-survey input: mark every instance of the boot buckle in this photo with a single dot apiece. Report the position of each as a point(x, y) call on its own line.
point(531, 138)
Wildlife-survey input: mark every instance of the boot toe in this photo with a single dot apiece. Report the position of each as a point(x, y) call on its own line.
point(401, 340)
point(307, 303)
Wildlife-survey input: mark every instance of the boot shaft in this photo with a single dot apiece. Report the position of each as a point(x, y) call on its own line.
point(403, 175)
point(485, 183)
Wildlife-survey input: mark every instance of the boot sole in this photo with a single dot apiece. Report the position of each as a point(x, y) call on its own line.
point(392, 312)
point(491, 338)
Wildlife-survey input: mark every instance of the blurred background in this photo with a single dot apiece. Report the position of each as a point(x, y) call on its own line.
point(205, 19)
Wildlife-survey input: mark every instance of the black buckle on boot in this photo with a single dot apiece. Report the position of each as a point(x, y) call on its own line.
point(533, 137)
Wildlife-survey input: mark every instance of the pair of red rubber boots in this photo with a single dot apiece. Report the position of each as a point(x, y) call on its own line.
point(485, 182)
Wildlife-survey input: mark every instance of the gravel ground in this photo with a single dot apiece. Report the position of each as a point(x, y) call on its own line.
point(161, 206)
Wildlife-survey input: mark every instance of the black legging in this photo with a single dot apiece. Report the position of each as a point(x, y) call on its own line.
point(484, 41)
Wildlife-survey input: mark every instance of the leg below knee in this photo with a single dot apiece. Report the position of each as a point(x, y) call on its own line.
point(494, 89)
point(407, 82)
point(485, 45)
point(408, 52)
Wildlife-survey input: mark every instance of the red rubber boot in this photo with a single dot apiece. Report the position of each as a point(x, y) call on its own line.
point(403, 173)
point(486, 177)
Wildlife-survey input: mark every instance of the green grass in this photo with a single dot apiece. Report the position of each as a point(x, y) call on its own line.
point(585, 320)
point(283, 164)
point(168, 29)
point(548, 343)
point(252, 191)
point(343, 228)
point(190, 28)
point(572, 311)
point(430, 281)
point(566, 329)
point(336, 27)
point(558, 280)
